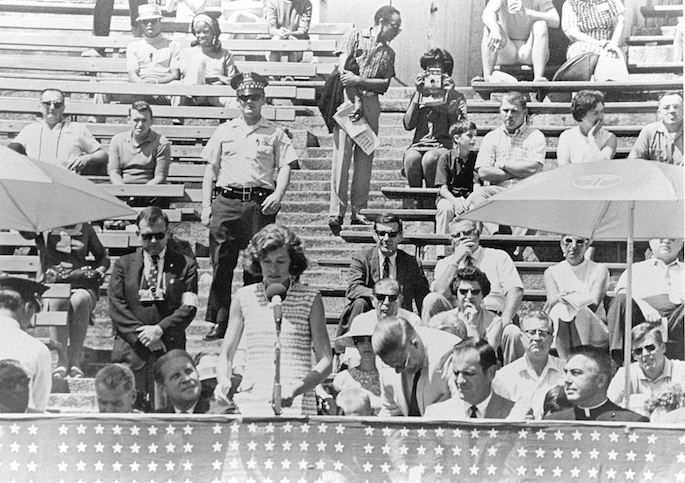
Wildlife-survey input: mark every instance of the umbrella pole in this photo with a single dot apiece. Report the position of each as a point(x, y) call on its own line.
point(629, 303)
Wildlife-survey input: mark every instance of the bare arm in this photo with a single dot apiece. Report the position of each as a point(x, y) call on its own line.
point(511, 304)
point(493, 174)
point(224, 366)
point(211, 172)
point(272, 203)
point(617, 36)
point(550, 17)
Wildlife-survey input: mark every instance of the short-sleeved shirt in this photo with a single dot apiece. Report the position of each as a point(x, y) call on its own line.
point(58, 146)
point(195, 63)
point(592, 17)
point(249, 156)
point(433, 123)
point(655, 143)
point(574, 142)
point(153, 58)
point(456, 172)
point(580, 278)
point(376, 60)
point(654, 277)
point(518, 27)
point(524, 145)
point(139, 163)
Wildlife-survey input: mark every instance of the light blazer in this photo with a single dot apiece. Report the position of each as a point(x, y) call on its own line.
point(365, 271)
point(128, 312)
point(432, 386)
point(498, 408)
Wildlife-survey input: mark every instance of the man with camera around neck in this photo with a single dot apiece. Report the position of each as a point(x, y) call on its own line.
point(152, 299)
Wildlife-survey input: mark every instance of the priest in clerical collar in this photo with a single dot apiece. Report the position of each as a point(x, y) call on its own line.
point(586, 380)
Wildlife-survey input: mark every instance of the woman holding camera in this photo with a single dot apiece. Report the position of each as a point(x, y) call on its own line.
point(433, 108)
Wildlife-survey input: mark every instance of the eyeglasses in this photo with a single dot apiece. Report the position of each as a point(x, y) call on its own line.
point(541, 332)
point(12, 382)
point(55, 104)
point(391, 234)
point(251, 97)
point(396, 26)
point(641, 350)
point(579, 241)
point(463, 234)
point(150, 20)
point(157, 236)
point(360, 339)
point(474, 291)
point(382, 296)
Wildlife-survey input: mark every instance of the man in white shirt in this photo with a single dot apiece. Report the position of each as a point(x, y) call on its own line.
point(474, 364)
point(658, 291)
point(528, 379)
point(19, 302)
point(652, 372)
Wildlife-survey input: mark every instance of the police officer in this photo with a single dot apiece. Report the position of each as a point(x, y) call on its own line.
point(248, 171)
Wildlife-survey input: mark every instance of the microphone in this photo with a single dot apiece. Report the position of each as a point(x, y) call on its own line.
point(275, 293)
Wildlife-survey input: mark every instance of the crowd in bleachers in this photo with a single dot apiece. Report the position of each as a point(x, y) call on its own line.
point(458, 349)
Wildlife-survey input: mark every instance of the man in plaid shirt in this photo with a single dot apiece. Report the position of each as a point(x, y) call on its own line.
point(367, 63)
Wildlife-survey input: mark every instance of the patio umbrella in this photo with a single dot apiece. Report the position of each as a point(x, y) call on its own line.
point(627, 199)
point(36, 196)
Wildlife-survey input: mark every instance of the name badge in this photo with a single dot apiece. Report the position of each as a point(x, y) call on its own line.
point(603, 7)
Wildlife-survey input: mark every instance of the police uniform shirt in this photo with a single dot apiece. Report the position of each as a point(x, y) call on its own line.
point(249, 156)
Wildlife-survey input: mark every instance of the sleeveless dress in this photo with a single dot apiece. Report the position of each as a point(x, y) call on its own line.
point(258, 341)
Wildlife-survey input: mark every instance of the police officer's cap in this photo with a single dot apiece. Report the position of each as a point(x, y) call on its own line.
point(247, 83)
point(28, 289)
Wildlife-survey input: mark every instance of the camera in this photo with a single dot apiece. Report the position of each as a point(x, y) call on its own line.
point(433, 80)
point(151, 294)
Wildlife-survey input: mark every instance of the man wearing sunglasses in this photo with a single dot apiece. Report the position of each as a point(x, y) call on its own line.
point(59, 141)
point(152, 299)
point(382, 261)
point(249, 160)
point(20, 300)
point(658, 294)
point(651, 373)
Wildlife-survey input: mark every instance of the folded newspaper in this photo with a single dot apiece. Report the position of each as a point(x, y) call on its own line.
point(360, 131)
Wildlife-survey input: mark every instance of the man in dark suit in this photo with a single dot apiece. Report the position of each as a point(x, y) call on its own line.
point(179, 379)
point(152, 299)
point(474, 364)
point(382, 261)
point(587, 375)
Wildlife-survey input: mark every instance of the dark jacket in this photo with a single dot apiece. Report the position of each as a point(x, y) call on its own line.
point(606, 412)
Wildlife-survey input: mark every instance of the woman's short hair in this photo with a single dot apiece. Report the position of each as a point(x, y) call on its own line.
point(214, 27)
point(584, 102)
point(441, 56)
point(555, 401)
point(460, 127)
point(270, 238)
point(471, 274)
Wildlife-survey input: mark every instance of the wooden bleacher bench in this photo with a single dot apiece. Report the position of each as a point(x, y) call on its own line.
point(649, 40)
point(662, 11)
point(647, 88)
point(480, 106)
point(656, 68)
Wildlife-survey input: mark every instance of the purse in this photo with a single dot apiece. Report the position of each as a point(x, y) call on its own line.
point(610, 68)
point(84, 277)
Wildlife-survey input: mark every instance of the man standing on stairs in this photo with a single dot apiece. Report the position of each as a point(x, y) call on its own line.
point(152, 300)
point(369, 49)
point(248, 172)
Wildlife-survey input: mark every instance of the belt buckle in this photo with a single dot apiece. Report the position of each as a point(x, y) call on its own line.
point(246, 194)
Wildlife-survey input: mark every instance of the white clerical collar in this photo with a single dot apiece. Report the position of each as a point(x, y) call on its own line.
point(588, 410)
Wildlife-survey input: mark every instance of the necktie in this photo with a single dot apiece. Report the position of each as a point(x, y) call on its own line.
point(154, 271)
point(473, 412)
point(386, 268)
point(468, 261)
point(413, 400)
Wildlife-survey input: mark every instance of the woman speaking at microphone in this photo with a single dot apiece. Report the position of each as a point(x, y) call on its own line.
point(277, 254)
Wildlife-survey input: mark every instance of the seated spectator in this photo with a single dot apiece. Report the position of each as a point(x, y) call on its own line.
point(508, 154)
point(185, 10)
point(14, 388)
point(433, 108)
point(354, 402)
point(658, 290)
point(527, 380)
point(651, 374)
point(678, 43)
point(575, 291)
point(115, 389)
point(517, 32)
point(206, 62)
point(382, 261)
point(556, 400)
point(139, 156)
point(474, 364)
point(287, 19)
point(177, 376)
point(63, 254)
point(152, 60)
point(411, 366)
point(595, 27)
point(506, 287)
point(59, 141)
point(455, 176)
point(663, 140)
point(469, 318)
point(19, 302)
point(586, 380)
point(589, 141)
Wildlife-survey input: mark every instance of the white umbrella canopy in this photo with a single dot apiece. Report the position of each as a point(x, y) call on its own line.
point(602, 200)
point(37, 196)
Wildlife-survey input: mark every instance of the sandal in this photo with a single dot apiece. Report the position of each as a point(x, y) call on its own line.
point(59, 372)
point(76, 373)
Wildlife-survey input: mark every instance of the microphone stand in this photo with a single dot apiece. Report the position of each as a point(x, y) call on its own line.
point(277, 378)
